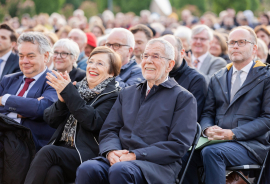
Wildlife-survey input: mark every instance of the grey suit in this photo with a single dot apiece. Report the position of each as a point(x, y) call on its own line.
point(211, 65)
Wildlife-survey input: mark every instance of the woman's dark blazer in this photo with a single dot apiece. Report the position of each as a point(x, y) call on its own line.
point(90, 116)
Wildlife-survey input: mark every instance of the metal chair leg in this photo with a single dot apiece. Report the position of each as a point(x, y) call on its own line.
point(242, 176)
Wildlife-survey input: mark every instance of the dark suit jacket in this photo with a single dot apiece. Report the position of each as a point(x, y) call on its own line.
point(248, 115)
point(192, 81)
point(77, 74)
point(30, 107)
point(159, 129)
point(12, 65)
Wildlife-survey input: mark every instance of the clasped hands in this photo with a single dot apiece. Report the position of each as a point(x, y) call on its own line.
point(217, 133)
point(120, 156)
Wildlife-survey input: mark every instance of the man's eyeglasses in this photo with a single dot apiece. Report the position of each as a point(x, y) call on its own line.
point(240, 43)
point(63, 55)
point(115, 46)
point(154, 57)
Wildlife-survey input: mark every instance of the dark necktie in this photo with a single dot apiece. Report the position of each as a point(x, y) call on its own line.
point(26, 85)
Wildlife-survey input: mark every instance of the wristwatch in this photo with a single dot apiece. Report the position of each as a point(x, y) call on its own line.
point(234, 137)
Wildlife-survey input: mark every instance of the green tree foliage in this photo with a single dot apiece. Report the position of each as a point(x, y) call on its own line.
point(239, 5)
point(75, 3)
point(179, 4)
point(89, 8)
point(27, 6)
point(2, 12)
point(132, 5)
point(11, 6)
point(67, 11)
point(48, 6)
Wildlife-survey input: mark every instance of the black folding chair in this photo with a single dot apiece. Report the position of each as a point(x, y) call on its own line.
point(237, 169)
point(193, 146)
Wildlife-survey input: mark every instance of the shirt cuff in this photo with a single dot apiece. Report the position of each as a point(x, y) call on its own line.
point(203, 132)
point(4, 99)
point(108, 153)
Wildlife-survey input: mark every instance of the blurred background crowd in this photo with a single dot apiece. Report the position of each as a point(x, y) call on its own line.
point(98, 18)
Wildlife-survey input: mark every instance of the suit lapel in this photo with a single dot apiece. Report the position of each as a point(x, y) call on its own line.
point(206, 64)
point(8, 65)
point(222, 79)
point(14, 87)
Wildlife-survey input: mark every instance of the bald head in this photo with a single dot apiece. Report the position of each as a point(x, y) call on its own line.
point(178, 49)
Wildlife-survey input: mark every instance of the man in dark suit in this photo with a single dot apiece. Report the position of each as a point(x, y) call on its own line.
point(149, 128)
point(25, 95)
point(201, 59)
point(236, 110)
point(9, 62)
point(186, 76)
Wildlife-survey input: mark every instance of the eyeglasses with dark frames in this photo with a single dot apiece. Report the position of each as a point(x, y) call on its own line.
point(115, 46)
point(63, 55)
point(240, 43)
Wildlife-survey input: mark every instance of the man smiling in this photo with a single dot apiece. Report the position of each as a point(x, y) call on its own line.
point(156, 130)
point(25, 95)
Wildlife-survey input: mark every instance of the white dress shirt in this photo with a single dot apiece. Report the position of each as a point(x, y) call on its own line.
point(4, 58)
point(6, 96)
point(201, 59)
point(243, 75)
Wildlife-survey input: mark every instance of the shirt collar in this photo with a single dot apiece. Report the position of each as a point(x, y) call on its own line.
point(201, 58)
point(6, 56)
point(37, 76)
point(148, 88)
point(245, 69)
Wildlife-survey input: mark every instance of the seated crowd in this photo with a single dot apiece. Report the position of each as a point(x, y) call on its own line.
point(127, 112)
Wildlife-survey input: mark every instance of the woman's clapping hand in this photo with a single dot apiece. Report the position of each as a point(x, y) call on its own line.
point(58, 82)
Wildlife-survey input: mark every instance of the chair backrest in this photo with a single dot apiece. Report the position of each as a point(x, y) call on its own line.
point(193, 146)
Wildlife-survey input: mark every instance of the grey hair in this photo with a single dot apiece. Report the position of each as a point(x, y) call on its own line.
point(199, 28)
point(80, 32)
point(183, 32)
point(100, 39)
point(36, 38)
point(261, 44)
point(129, 36)
point(70, 45)
point(169, 49)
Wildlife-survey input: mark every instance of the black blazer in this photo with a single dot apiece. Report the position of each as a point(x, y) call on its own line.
point(76, 74)
point(90, 116)
point(12, 65)
point(194, 82)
